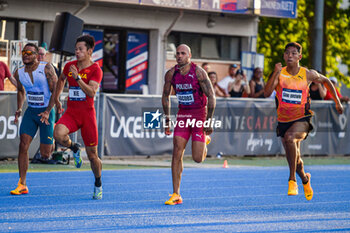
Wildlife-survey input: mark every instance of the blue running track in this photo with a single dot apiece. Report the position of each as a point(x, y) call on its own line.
point(238, 199)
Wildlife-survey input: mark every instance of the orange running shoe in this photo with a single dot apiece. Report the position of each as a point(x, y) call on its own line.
point(292, 188)
point(309, 193)
point(174, 199)
point(21, 189)
point(207, 139)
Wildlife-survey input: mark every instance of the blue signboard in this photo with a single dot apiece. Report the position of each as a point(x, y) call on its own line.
point(136, 60)
point(97, 55)
point(276, 8)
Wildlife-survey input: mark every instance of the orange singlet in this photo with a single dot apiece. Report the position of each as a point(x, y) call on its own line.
point(292, 95)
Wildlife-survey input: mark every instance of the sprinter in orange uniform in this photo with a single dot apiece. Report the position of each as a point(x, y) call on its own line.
point(293, 110)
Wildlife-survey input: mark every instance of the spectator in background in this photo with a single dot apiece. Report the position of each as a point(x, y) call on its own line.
point(42, 54)
point(42, 57)
point(239, 86)
point(256, 84)
point(219, 92)
point(206, 67)
point(5, 73)
point(343, 99)
point(230, 78)
point(317, 91)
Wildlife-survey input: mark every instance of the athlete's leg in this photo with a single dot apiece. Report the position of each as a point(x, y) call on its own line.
point(199, 151)
point(296, 133)
point(95, 161)
point(177, 162)
point(23, 157)
point(300, 165)
point(46, 150)
point(61, 135)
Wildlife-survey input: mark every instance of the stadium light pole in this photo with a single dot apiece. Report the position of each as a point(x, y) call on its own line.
point(317, 57)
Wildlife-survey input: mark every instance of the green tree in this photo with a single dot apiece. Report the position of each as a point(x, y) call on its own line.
point(275, 33)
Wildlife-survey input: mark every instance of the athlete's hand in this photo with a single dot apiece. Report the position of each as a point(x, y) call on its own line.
point(74, 71)
point(44, 117)
point(17, 115)
point(339, 108)
point(208, 130)
point(167, 130)
point(278, 67)
point(59, 108)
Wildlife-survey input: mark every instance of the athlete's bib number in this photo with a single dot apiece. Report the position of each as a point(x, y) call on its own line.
point(35, 98)
point(76, 94)
point(185, 97)
point(292, 96)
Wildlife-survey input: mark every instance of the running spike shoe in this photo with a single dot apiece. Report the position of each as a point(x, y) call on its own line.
point(309, 193)
point(97, 193)
point(21, 189)
point(174, 199)
point(292, 188)
point(77, 159)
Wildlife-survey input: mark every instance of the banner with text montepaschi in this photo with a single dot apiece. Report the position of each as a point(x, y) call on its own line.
point(134, 126)
point(9, 131)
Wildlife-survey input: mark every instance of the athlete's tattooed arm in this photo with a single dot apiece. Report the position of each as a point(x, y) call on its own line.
point(52, 82)
point(208, 90)
point(20, 97)
point(166, 97)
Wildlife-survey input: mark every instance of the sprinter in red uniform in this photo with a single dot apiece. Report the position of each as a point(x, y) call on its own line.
point(84, 77)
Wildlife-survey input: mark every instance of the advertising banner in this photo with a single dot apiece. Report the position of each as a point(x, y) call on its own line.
point(276, 8)
point(97, 55)
point(137, 60)
point(134, 126)
point(9, 131)
point(228, 6)
point(186, 4)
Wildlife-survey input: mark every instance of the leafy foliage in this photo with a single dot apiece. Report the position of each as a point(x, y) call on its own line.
point(275, 33)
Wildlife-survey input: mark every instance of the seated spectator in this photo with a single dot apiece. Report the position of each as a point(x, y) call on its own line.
point(343, 99)
point(317, 91)
point(256, 84)
point(239, 86)
point(206, 66)
point(230, 78)
point(219, 92)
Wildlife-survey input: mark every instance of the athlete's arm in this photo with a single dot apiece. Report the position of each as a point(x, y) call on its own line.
point(322, 90)
point(166, 98)
point(52, 82)
point(208, 90)
point(20, 97)
point(89, 89)
point(314, 76)
point(59, 88)
point(273, 80)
